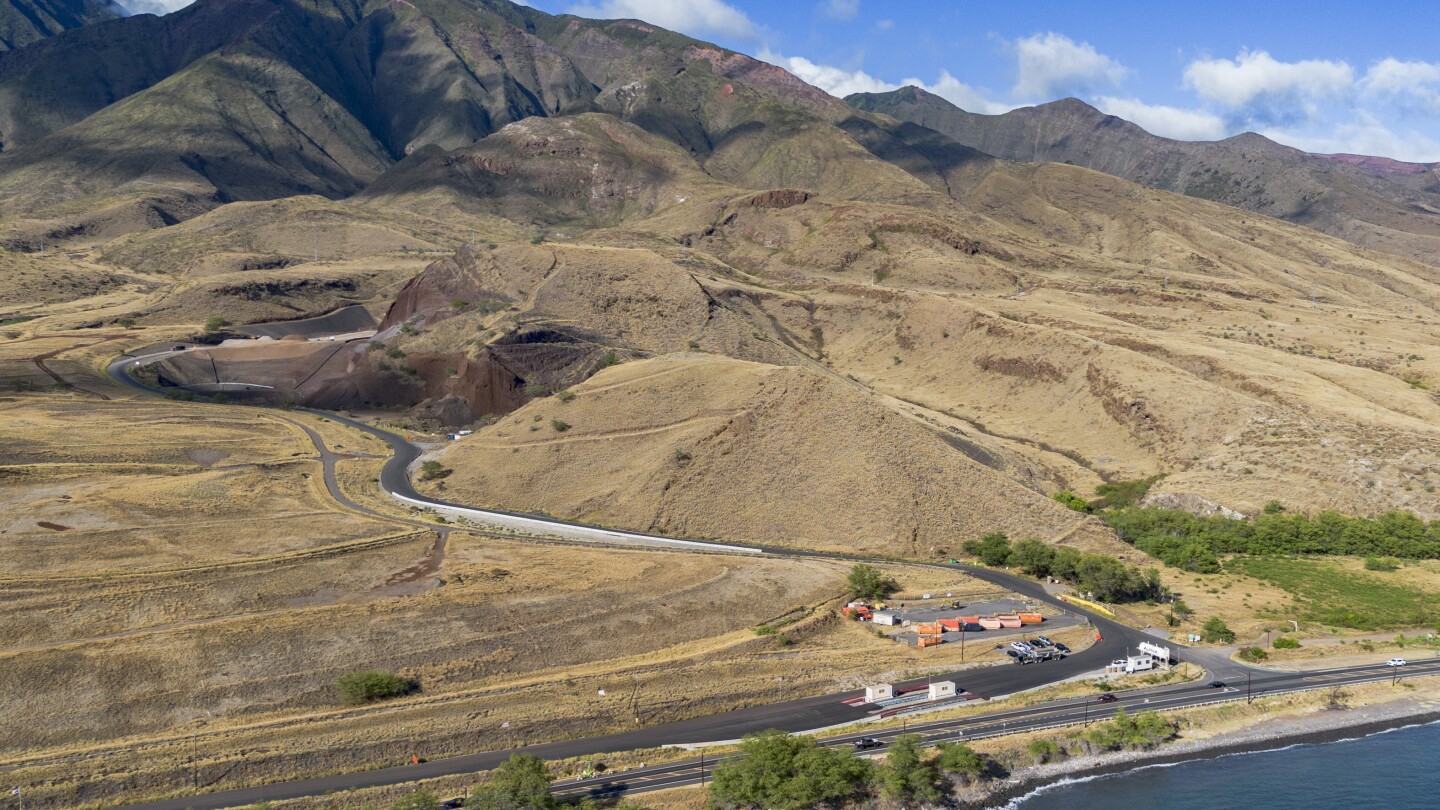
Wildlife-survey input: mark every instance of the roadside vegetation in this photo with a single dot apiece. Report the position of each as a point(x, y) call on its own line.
point(1108, 579)
point(1195, 543)
point(1325, 594)
point(370, 686)
point(869, 582)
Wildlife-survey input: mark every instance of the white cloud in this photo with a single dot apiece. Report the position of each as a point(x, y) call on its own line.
point(840, 82)
point(962, 95)
point(1263, 88)
point(885, 25)
point(156, 7)
point(835, 81)
point(1408, 84)
point(840, 9)
point(1169, 122)
point(1053, 65)
point(694, 17)
point(1364, 135)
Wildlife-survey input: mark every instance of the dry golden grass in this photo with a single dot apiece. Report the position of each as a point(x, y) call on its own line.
point(704, 446)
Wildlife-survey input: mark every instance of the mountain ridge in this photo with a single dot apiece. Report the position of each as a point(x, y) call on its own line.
point(1391, 210)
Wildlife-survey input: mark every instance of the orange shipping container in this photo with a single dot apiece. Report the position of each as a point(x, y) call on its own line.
point(929, 629)
point(990, 623)
point(969, 619)
point(950, 625)
point(928, 641)
point(1031, 618)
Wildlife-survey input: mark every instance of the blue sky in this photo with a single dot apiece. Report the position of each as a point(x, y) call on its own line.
point(1323, 75)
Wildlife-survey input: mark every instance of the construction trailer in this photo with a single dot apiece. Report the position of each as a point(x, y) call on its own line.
point(942, 689)
point(885, 617)
point(879, 692)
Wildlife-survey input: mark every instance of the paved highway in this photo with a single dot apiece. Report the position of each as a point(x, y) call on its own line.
point(806, 714)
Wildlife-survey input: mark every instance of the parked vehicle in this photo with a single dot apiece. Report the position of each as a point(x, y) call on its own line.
point(1108, 697)
point(1395, 662)
point(1062, 648)
point(1045, 641)
point(1022, 647)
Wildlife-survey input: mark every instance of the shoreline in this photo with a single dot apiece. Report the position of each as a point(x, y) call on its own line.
point(1312, 729)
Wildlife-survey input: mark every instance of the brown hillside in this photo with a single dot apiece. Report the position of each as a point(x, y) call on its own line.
point(702, 446)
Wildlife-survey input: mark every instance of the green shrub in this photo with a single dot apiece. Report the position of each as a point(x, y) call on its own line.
point(1286, 643)
point(220, 398)
point(522, 781)
point(371, 685)
point(1215, 631)
point(126, 321)
point(1381, 564)
point(993, 549)
point(1044, 751)
point(1121, 494)
point(765, 630)
point(869, 582)
point(560, 425)
point(433, 470)
point(566, 395)
point(537, 391)
point(1072, 501)
point(1253, 654)
point(215, 323)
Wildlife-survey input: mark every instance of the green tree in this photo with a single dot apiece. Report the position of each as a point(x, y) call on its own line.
point(778, 771)
point(905, 775)
point(1032, 556)
point(992, 549)
point(432, 470)
point(522, 782)
point(869, 582)
point(419, 800)
point(370, 685)
point(1286, 643)
point(215, 323)
point(1216, 631)
point(960, 759)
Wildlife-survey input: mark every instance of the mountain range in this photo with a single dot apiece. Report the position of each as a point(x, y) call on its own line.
point(1374, 202)
point(937, 317)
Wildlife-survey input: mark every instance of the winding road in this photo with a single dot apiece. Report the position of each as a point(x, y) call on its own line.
point(807, 714)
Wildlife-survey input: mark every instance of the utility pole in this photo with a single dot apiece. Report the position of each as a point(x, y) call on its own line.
point(1087, 711)
point(1248, 696)
point(702, 767)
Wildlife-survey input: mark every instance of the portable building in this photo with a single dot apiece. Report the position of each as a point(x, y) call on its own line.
point(878, 692)
point(942, 689)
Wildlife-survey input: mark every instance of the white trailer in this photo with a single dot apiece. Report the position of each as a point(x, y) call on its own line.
point(879, 692)
point(942, 689)
point(884, 617)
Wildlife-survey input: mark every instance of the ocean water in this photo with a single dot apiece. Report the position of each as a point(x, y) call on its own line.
point(1393, 770)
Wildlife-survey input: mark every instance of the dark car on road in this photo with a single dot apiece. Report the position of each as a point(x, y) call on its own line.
point(1108, 697)
point(1216, 684)
point(866, 743)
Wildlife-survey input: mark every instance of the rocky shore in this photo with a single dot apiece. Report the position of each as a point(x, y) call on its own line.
point(1324, 726)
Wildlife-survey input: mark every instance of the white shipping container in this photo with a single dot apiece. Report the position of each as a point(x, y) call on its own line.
point(885, 618)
